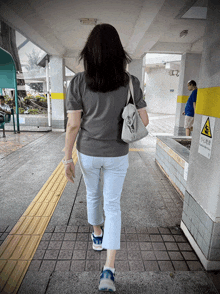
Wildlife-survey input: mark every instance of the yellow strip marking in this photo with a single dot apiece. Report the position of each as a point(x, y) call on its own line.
point(2, 264)
point(208, 102)
point(16, 275)
point(19, 247)
point(182, 98)
point(175, 156)
point(136, 149)
point(60, 96)
point(5, 274)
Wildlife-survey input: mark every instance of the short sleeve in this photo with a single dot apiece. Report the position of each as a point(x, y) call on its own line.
point(194, 95)
point(138, 94)
point(73, 97)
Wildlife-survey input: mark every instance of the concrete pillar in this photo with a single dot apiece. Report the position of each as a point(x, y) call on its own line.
point(137, 68)
point(190, 66)
point(201, 210)
point(58, 95)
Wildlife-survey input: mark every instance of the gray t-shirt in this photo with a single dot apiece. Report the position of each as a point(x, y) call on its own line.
point(101, 125)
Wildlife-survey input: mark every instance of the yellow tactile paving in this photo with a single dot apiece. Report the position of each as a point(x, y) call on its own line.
point(19, 247)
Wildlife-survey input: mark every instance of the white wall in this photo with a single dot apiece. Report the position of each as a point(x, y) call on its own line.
point(158, 97)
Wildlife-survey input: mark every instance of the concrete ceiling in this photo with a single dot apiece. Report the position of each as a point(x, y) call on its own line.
point(143, 25)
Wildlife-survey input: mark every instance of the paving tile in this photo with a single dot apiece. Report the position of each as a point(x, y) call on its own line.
point(80, 245)
point(121, 255)
point(142, 231)
point(51, 254)
point(153, 230)
point(122, 230)
point(55, 245)
point(79, 254)
point(131, 237)
point(78, 265)
point(46, 236)
point(60, 229)
point(148, 255)
point(3, 229)
point(136, 265)
point(91, 254)
point(84, 229)
point(146, 245)
point(168, 238)
point(134, 255)
point(151, 265)
point(82, 237)
point(158, 246)
point(175, 255)
point(48, 265)
point(39, 254)
point(92, 265)
point(63, 265)
point(180, 265)
point(165, 265)
point(104, 254)
point(57, 236)
point(123, 238)
point(34, 265)
point(71, 229)
point(184, 247)
point(68, 245)
point(43, 245)
point(164, 231)
point(1, 242)
point(9, 228)
point(161, 255)
point(121, 265)
point(70, 236)
point(195, 265)
point(3, 236)
point(171, 246)
point(189, 255)
point(176, 231)
point(65, 254)
point(50, 229)
point(179, 238)
point(130, 230)
point(132, 246)
point(143, 237)
point(156, 238)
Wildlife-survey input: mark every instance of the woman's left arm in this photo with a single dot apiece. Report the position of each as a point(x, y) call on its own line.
point(73, 126)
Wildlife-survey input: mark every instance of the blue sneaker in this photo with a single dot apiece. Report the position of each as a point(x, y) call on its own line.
point(107, 281)
point(97, 241)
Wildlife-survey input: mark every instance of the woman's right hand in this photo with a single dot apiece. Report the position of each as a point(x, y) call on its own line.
point(183, 113)
point(70, 171)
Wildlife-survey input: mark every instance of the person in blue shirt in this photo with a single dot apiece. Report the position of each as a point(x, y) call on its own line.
point(190, 107)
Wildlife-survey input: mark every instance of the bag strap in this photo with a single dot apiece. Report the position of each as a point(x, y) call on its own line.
point(130, 90)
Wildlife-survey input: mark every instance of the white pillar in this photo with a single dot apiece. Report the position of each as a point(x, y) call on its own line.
point(190, 66)
point(201, 210)
point(58, 95)
point(137, 68)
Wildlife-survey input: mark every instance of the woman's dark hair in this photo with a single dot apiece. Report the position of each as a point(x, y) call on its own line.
point(192, 83)
point(2, 97)
point(104, 59)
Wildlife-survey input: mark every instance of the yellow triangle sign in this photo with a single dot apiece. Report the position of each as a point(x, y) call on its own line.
point(207, 129)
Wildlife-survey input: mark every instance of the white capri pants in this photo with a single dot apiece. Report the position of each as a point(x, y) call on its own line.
point(114, 172)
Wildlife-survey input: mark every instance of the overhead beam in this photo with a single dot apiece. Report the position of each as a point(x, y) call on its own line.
point(21, 17)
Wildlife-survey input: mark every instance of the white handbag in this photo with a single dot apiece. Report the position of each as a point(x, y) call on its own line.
point(133, 128)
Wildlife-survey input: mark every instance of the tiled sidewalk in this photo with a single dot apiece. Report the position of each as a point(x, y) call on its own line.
point(69, 248)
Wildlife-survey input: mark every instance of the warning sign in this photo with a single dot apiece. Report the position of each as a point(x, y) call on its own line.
point(206, 131)
point(205, 140)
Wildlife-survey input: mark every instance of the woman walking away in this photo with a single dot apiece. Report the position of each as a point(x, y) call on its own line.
point(99, 95)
